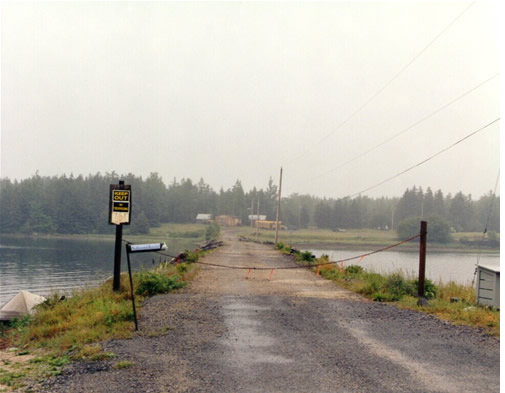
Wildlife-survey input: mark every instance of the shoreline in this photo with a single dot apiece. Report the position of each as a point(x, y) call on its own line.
point(402, 248)
point(318, 244)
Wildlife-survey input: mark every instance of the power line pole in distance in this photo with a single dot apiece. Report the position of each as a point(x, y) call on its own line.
point(278, 210)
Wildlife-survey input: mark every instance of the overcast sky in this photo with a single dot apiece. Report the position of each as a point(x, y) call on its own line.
point(234, 90)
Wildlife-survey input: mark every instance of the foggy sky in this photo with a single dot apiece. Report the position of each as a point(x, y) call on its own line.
point(234, 90)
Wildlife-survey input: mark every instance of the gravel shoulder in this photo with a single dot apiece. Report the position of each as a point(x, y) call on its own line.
point(294, 333)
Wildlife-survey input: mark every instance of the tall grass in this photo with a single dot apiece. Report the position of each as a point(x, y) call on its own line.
point(449, 301)
point(91, 315)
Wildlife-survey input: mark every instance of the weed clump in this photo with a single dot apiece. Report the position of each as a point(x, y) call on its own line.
point(151, 283)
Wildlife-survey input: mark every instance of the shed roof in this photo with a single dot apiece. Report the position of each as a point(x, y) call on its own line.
point(257, 217)
point(492, 268)
point(203, 216)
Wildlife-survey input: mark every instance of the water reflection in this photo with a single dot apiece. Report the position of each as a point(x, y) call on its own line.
point(43, 266)
point(445, 267)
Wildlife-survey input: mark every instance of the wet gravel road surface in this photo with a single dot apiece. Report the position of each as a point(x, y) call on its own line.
point(294, 333)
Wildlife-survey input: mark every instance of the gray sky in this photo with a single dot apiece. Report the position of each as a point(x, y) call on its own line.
point(234, 90)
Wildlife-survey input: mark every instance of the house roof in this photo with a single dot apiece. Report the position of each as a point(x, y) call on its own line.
point(257, 217)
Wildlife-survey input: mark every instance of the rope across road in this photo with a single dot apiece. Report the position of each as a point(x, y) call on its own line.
point(306, 266)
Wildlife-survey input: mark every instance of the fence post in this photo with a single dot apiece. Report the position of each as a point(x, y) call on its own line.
point(422, 260)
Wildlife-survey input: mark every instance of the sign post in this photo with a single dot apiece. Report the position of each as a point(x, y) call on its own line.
point(119, 215)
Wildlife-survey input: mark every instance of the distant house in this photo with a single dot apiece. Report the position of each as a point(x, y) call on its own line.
point(228, 221)
point(263, 224)
point(254, 217)
point(203, 218)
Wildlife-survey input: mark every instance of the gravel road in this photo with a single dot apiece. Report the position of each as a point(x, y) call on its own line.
point(294, 333)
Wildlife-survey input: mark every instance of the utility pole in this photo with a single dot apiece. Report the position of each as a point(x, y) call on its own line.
point(252, 211)
point(393, 219)
point(257, 218)
point(278, 210)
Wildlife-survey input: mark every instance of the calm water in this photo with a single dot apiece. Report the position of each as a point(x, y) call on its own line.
point(46, 265)
point(443, 267)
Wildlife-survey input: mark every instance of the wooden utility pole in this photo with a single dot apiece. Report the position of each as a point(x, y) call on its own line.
point(257, 218)
point(278, 210)
point(252, 211)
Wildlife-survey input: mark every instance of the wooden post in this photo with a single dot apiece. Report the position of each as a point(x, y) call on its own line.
point(278, 210)
point(422, 259)
point(117, 254)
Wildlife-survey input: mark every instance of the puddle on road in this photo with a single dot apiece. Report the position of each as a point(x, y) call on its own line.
point(246, 342)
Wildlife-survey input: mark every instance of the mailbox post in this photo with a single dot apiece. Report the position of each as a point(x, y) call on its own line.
point(131, 249)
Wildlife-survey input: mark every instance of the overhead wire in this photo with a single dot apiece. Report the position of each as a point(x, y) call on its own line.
point(378, 92)
point(403, 131)
point(425, 160)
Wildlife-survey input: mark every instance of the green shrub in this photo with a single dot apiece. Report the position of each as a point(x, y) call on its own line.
point(182, 267)
point(192, 256)
point(438, 229)
point(397, 287)
point(151, 283)
point(307, 256)
point(354, 270)
point(430, 289)
point(374, 283)
point(212, 231)
point(280, 246)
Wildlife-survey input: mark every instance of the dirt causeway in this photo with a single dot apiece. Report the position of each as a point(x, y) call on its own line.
point(294, 333)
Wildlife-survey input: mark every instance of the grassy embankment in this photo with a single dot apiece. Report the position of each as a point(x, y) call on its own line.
point(63, 330)
point(166, 231)
point(402, 290)
point(359, 238)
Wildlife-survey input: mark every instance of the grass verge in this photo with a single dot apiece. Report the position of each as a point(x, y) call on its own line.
point(449, 301)
point(65, 329)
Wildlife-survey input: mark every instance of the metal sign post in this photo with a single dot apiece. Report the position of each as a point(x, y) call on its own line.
point(119, 214)
point(133, 248)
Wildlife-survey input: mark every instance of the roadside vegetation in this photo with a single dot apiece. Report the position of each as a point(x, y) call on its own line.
point(359, 238)
point(450, 301)
point(65, 329)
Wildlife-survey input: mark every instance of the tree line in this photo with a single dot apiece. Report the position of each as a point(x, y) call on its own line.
point(69, 204)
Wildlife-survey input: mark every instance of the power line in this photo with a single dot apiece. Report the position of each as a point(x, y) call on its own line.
point(360, 108)
point(406, 129)
point(424, 161)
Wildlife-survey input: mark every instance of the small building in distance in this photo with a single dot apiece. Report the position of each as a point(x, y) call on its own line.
point(264, 224)
point(203, 218)
point(255, 217)
point(228, 221)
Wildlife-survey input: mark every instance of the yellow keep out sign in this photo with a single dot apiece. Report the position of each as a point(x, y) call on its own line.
point(120, 207)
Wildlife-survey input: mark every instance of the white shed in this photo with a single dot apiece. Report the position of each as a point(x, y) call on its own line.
point(488, 285)
point(203, 217)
